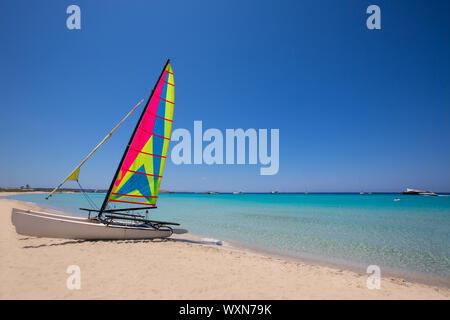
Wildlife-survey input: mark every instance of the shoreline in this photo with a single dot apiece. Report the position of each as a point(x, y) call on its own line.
point(293, 273)
point(393, 274)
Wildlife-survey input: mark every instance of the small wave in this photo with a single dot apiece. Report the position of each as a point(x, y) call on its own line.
point(212, 241)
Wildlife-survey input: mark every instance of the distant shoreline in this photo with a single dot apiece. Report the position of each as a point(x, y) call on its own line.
point(45, 190)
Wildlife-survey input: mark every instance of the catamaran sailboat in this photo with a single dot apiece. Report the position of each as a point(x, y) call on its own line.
point(136, 182)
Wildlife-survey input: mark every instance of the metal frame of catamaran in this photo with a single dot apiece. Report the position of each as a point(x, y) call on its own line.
point(118, 217)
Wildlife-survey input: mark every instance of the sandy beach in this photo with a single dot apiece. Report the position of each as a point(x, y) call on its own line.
point(35, 268)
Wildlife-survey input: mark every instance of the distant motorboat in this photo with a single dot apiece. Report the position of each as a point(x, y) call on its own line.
point(419, 192)
point(396, 199)
point(238, 192)
point(274, 191)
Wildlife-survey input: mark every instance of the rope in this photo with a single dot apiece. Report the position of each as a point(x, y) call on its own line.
point(89, 200)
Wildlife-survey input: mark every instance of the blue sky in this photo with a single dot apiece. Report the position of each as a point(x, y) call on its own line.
point(357, 109)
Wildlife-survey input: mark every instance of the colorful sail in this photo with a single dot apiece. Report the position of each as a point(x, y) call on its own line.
point(141, 170)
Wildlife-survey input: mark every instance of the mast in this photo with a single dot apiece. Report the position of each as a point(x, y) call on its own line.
point(105, 202)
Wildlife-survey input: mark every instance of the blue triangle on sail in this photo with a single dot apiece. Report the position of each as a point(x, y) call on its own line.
point(137, 182)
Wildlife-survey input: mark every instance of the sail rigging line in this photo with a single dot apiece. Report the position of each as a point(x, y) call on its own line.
point(75, 172)
point(107, 197)
point(89, 200)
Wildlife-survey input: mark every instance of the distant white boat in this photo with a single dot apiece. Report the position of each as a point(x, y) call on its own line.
point(238, 192)
point(419, 192)
point(396, 199)
point(274, 191)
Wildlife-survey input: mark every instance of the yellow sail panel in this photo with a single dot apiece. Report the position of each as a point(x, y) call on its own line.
point(74, 175)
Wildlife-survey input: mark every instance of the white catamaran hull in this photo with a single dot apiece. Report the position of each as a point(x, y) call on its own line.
point(42, 224)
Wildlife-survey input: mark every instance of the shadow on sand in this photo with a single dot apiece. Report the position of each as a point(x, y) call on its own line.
point(156, 240)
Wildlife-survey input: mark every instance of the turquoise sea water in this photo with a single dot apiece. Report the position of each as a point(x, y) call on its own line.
point(409, 238)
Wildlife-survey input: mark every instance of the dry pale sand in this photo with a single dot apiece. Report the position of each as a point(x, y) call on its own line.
point(35, 268)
